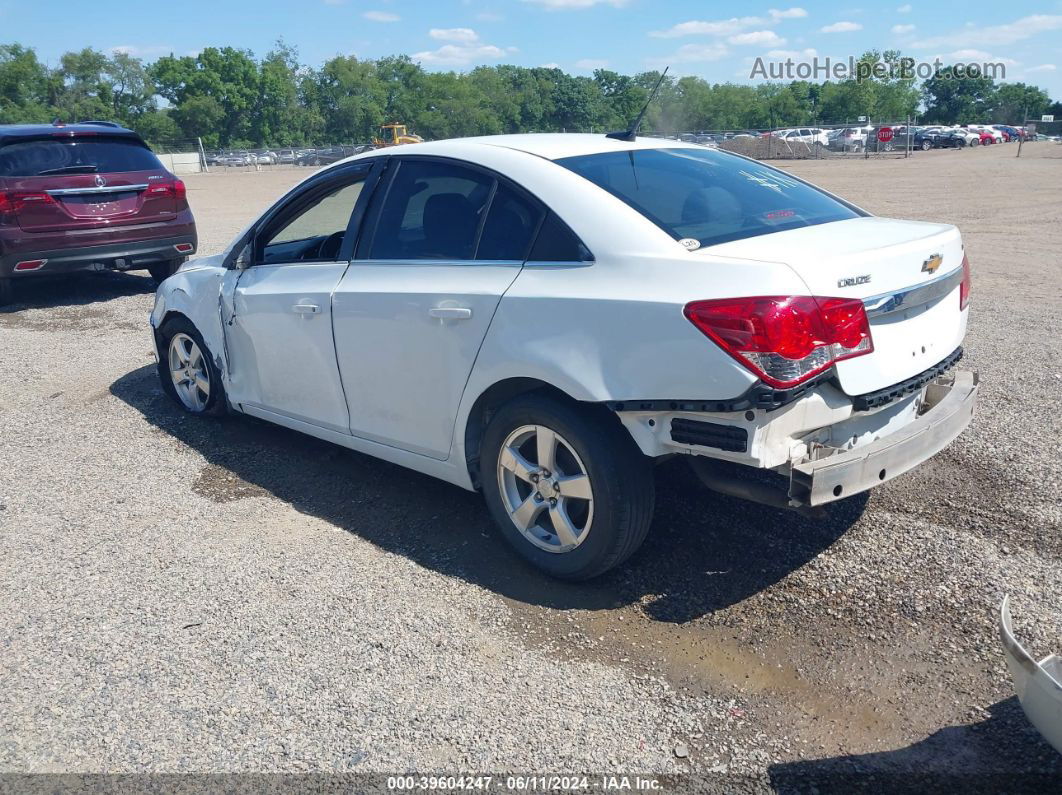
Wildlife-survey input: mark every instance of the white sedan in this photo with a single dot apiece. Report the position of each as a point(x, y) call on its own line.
point(541, 317)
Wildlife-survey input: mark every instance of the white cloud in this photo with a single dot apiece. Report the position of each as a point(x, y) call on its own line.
point(994, 35)
point(692, 53)
point(566, 5)
point(904, 9)
point(1044, 67)
point(810, 52)
point(459, 35)
point(489, 16)
point(978, 56)
point(789, 13)
point(899, 29)
point(768, 38)
point(141, 50)
point(725, 27)
point(381, 16)
point(550, 65)
point(590, 64)
point(465, 49)
point(841, 27)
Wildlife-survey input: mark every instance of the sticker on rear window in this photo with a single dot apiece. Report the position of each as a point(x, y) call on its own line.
point(691, 243)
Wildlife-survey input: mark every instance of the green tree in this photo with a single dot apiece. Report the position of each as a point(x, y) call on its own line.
point(950, 99)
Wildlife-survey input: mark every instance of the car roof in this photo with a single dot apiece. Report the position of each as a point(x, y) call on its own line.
point(15, 132)
point(550, 146)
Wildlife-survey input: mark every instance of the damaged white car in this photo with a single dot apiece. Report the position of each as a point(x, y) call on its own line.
point(541, 317)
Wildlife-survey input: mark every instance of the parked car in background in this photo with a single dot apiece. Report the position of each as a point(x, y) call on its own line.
point(286, 156)
point(996, 135)
point(806, 136)
point(849, 139)
point(630, 301)
point(87, 197)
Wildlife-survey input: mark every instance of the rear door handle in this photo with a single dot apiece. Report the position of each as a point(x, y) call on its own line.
point(451, 312)
point(306, 309)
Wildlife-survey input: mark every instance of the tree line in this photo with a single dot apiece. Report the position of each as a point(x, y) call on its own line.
point(231, 99)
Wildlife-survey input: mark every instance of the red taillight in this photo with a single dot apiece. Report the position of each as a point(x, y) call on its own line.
point(175, 189)
point(965, 284)
point(785, 339)
point(16, 201)
point(184, 248)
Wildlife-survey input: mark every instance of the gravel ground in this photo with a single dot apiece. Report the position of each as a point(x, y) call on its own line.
point(189, 595)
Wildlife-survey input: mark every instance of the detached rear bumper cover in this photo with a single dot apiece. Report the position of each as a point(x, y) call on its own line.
point(1038, 684)
point(951, 399)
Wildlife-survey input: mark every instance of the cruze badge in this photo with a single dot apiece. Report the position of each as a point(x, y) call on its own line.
point(852, 281)
point(931, 264)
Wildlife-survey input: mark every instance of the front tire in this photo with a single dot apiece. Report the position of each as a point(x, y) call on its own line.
point(570, 490)
point(187, 370)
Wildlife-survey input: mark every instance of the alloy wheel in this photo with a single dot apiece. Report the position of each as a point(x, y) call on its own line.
point(189, 372)
point(545, 488)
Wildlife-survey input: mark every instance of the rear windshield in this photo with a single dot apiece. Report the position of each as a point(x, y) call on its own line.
point(75, 156)
point(707, 195)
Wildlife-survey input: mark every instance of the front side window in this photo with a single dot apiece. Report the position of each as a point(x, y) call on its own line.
point(316, 232)
point(432, 210)
point(707, 195)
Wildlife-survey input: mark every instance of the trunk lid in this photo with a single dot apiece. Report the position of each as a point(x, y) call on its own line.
point(876, 259)
point(84, 201)
point(76, 179)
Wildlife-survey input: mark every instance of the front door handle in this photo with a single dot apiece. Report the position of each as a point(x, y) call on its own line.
point(451, 312)
point(306, 309)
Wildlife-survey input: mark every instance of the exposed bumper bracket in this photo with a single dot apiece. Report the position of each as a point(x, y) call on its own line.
point(950, 403)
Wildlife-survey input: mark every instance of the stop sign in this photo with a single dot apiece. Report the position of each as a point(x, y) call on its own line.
point(885, 134)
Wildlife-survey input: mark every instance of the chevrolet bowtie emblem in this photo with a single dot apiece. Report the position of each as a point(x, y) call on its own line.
point(931, 264)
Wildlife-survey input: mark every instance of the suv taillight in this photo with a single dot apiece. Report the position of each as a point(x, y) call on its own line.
point(965, 284)
point(11, 202)
point(785, 340)
point(175, 189)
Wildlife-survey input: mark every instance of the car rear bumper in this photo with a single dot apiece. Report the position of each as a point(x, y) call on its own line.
point(950, 399)
point(112, 256)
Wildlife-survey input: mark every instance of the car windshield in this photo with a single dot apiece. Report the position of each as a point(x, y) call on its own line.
point(709, 196)
point(75, 156)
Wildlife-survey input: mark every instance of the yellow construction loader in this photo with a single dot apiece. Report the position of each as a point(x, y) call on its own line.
point(394, 134)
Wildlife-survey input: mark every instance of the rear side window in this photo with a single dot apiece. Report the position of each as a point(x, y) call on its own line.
point(708, 196)
point(76, 156)
point(510, 227)
point(557, 243)
point(432, 211)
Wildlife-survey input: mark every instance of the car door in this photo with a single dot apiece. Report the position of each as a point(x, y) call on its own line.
point(411, 312)
point(279, 335)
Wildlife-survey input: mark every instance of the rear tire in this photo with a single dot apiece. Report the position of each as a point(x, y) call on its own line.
point(163, 270)
point(182, 354)
point(539, 508)
point(7, 292)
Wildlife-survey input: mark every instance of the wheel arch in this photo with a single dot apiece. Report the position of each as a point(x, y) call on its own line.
point(497, 395)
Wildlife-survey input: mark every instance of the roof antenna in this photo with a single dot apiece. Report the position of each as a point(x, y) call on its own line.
point(629, 135)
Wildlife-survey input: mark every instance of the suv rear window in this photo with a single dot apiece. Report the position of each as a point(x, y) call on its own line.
point(708, 196)
point(76, 156)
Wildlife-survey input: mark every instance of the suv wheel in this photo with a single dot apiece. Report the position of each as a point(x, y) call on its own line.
point(187, 371)
point(163, 270)
point(568, 487)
